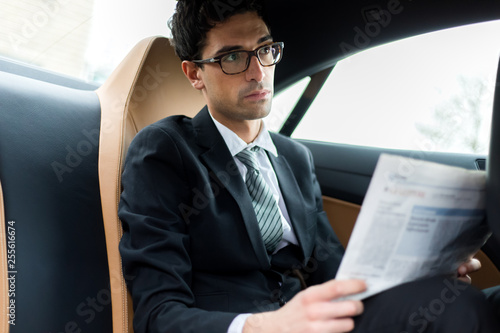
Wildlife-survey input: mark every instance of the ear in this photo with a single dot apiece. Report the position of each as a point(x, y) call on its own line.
point(193, 73)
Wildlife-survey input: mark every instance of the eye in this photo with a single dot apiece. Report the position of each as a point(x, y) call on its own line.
point(265, 50)
point(232, 57)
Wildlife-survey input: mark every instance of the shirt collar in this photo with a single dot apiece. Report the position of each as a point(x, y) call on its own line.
point(236, 144)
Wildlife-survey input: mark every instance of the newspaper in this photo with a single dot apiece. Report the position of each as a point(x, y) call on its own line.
point(418, 219)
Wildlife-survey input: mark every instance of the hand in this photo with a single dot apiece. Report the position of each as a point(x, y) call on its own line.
point(470, 266)
point(312, 310)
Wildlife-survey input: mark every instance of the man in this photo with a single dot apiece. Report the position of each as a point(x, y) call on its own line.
point(221, 236)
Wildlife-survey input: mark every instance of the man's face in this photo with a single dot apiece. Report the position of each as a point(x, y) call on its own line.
point(243, 96)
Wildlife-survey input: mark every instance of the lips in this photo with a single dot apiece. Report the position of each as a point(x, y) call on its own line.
point(258, 95)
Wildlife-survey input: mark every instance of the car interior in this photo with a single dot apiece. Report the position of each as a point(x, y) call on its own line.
point(63, 142)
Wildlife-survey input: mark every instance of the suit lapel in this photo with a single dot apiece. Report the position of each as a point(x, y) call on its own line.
point(293, 200)
point(219, 160)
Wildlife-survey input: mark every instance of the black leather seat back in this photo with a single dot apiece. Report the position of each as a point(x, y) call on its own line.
point(48, 169)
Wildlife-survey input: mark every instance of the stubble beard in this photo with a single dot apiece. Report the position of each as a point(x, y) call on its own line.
point(254, 110)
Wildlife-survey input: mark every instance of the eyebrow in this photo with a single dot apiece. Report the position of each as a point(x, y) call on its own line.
point(230, 48)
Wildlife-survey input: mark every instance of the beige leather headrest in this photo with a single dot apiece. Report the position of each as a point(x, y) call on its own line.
point(149, 85)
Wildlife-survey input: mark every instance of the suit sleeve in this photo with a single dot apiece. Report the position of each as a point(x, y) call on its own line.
point(155, 244)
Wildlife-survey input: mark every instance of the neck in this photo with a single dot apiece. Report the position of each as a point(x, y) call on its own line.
point(247, 130)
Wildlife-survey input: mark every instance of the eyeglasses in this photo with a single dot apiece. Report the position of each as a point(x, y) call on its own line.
point(238, 61)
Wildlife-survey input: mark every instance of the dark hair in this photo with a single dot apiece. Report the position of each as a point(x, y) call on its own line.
point(194, 18)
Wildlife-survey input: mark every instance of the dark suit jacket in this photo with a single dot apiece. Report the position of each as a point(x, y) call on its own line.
point(192, 252)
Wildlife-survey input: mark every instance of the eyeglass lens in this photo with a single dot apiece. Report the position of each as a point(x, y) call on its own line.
point(238, 61)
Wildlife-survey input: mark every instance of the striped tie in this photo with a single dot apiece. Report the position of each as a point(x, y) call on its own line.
point(266, 208)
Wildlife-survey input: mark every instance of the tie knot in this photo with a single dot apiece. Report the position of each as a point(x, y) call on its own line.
point(249, 158)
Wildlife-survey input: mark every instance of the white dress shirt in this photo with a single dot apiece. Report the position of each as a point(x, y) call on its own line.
point(264, 141)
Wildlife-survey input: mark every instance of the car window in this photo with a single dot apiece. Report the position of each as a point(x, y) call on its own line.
point(283, 104)
point(84, 39)
point(430, 92)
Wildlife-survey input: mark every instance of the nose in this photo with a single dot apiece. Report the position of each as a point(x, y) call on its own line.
point(255, 70)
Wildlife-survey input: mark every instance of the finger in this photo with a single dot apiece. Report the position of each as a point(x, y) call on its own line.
point(334, 289)
point(473, 265)
point(340, 325)
point(466, 279)
point(331, 310)
point(332, 326)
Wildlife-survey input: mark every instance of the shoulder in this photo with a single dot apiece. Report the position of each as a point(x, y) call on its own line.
point(168, 125)
point(173, 128)
point(167, 138)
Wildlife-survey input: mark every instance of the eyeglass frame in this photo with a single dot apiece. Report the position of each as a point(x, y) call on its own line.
point(250, 54)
